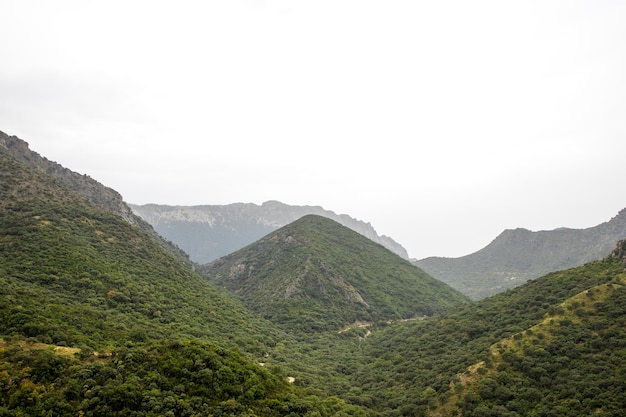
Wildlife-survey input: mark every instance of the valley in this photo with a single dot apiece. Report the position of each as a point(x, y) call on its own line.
point(101, 316)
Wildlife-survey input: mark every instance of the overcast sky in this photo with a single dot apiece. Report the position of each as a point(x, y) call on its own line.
point(441, 123)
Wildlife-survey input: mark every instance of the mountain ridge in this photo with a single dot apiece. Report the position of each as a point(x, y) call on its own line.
point(207, 232)
point(84, 185)
point(98, 318)
point(517, 255)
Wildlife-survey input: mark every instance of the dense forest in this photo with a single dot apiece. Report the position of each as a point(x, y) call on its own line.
point(100, 318)
point(315, 274)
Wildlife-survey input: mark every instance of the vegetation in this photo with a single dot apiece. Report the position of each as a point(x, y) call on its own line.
point(157, 379)
point(573, 363)
point(99, 318)
point(516, 256)
point(318, 275)
point(414, 366)
point(73, 274)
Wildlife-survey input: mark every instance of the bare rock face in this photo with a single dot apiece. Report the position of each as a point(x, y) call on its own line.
point(620, 251)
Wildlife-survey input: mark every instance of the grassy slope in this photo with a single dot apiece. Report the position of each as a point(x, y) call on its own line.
point(573, 362)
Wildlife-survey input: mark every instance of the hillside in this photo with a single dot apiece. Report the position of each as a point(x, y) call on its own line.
point(79, 260)
point(317, 274)
point(553, 346)
point(98, 194)
point(98, 318)
point(572, 361)
point(211, 231)
point(516, 256)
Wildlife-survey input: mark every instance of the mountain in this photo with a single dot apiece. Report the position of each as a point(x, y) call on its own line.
point(211, 231)
point(572, 361)
point(98, 318)
point(316, 274)
point(552, 346)
point(79, 261)
point(84, 185)
point(516, 256)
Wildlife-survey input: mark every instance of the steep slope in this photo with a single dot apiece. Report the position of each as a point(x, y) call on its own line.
point(573, 361)
point(211, 231)
point(516, 256)
point(317, 274)
point(97, 318)
point(568, 325)
point(84, 185)
point(99, 279)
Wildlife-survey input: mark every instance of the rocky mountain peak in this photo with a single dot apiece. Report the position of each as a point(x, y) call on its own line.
point(620, 251)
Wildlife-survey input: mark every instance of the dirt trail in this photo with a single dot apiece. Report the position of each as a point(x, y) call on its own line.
point(366, 324)
point(59, 350)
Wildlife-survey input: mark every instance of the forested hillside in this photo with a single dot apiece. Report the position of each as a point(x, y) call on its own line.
point(316, 274)
point(549, 347)
point(99, 318)
point(95, 192)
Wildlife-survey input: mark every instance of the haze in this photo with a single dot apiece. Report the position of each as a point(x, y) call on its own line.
point(441, 123)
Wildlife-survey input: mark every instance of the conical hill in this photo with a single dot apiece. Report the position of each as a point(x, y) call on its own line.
point(317, 274)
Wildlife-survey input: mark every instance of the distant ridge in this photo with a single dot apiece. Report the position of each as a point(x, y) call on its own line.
point(516, 256)
point(208, 232)
point(316, 274)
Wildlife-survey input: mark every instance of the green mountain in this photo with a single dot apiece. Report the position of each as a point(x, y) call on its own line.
point(571, 363)
point(553, 346)
point(62, 257)
point(516, 256)
point(98, 318)
point(316, 274)
point(95, 192)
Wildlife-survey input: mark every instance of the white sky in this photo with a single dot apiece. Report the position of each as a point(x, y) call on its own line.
point(442, 123)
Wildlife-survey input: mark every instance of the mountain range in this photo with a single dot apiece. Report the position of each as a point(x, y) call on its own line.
point(516, 256)
point(512, 258)
point(208, 232)
point(99, 316)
